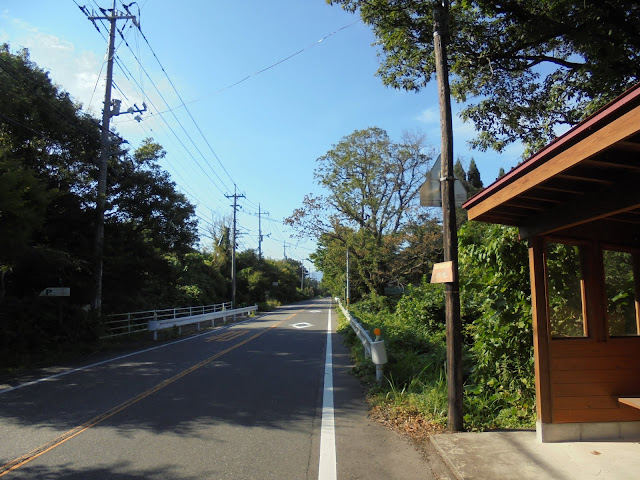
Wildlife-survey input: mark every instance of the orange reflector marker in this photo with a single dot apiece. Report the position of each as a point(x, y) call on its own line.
point(376, 332)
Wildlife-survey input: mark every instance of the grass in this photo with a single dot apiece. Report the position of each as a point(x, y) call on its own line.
point(413, 399)
point(416, 408)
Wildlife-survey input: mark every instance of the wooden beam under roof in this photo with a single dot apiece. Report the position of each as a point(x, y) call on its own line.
point(623, 197)
point(611, 164)
point(616, 131)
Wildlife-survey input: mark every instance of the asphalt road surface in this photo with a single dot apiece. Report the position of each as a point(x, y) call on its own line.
point(259, 399)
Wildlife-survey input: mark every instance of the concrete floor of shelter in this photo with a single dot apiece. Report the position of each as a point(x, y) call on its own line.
point(518, 455)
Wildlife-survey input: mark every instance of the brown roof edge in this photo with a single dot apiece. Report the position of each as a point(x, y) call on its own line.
point(605, 114)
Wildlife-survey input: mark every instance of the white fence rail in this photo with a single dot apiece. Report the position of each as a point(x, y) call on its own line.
point(160, 324)
point(373, 349)
point(131, 322)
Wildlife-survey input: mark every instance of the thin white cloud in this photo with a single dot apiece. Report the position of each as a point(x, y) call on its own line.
point(429, 116)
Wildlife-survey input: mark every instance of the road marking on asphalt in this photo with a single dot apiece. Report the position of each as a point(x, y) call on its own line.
point(225, 337)
point(74, 432)
point(302, 325)
point(327, 469)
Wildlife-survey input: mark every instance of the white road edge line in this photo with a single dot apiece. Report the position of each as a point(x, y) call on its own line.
point(327, 469)
point(97, 364)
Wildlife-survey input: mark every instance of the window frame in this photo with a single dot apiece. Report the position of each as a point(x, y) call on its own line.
point(584, 251)
point(635, 253)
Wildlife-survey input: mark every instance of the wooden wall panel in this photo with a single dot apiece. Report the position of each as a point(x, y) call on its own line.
point(587, 377)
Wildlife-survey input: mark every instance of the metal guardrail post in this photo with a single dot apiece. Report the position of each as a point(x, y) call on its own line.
point(373, 349)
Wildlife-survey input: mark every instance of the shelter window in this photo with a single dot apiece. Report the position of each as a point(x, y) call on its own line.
point(621, 284)
point(565, 290)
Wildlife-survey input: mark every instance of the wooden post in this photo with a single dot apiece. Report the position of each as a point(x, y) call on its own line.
point(541, 336)
point(452, 293)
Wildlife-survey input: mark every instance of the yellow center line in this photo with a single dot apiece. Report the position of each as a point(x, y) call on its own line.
point(47, 447)
point(225, 337)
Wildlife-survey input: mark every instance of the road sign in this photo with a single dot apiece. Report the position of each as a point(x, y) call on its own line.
point(56, 292)
point(430, 190)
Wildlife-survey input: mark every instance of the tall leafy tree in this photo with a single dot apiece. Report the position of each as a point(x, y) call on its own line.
point(525, 67)
point(47, 149)
point(372, 187)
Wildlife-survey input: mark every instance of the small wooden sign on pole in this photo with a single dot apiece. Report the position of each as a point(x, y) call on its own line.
point(442, 272)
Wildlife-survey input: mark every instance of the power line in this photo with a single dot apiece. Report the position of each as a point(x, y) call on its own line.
point(183, 103)
point(123, 68)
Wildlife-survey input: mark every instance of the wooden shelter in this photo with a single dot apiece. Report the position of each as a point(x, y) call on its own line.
point(577, 204)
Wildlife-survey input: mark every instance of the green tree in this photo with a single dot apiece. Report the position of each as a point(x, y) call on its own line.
point(459, 173)
point(48, 148)
point(526, 67)
point(372, 184)
point(474, 184)
point(496, 300)
point(148, 223)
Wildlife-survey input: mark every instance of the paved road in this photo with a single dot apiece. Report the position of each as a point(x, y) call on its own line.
point(247, 401)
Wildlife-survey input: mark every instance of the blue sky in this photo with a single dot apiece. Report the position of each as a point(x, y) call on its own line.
point(263, 134)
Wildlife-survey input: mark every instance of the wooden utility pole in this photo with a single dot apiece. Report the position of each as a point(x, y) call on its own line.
point(235, 197)
point(447, 179)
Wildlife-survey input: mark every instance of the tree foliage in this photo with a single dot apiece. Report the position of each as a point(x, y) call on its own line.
point(370, 208)
point(525, 67)
point(48, 153)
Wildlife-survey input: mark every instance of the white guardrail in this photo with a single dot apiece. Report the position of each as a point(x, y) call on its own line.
point(373, 349)
point(154, 320)
point(155, 325)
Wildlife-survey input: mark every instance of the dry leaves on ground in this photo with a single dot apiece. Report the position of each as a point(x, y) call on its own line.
point(410, 423)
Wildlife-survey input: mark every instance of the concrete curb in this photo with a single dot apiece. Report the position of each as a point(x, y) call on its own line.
point(445, 458)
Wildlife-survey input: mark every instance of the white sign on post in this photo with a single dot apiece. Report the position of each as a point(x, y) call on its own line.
point(56, 292)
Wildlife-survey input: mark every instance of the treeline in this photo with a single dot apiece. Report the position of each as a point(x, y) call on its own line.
point(48, 169)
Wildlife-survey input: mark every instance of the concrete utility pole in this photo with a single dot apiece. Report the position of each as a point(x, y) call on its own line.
point(260, 237)
point(452, 293)
point(347, 295)
point(105, 149)
point(235, 197)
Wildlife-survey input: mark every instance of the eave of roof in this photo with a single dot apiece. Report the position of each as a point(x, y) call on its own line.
point(602, 117)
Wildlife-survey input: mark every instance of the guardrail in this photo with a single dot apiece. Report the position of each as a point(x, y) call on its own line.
point(131, 322)
point(373, 349)
point(157, 324)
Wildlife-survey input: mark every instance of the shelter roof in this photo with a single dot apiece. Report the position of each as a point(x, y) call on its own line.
point(589, 174)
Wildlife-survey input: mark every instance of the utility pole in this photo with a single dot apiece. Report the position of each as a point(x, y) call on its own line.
point(235, 197)
point(105, 148)
point(260, 237)
point(347, 296)
point(452, 293)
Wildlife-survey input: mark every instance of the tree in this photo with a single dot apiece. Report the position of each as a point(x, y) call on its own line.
point(142, 193)
point(459, 173)
point(531, 66)
point(150, 228)
point(47, 148)
point(497, 315)
point(474, 184)
point(372, 186)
